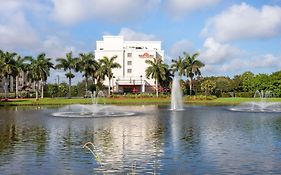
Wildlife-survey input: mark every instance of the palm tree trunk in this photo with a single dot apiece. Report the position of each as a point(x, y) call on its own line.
point(17, 86)
point(36, 89)
point(156, 87)
point(6, 87)
point(69, 88)
point(108, 87)
point(42, 89)
point(190, 86)
point(86, 85)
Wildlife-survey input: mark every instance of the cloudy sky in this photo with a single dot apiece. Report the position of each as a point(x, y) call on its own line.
point(232, 36)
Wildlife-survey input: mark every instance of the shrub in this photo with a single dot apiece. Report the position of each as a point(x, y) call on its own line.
point(244, 94)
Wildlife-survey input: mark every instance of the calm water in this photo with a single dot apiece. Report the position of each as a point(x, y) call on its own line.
point(199, 140)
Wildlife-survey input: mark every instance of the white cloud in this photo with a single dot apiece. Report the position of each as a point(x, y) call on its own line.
point(224, 59)
point(266, 61)
point(131, 35)
point(215, 52)
point(181, 46)
point(69, 12)
point(258, 63)
point(15, 31)
point(178, 8)
point(244, 21)
point(56, 47)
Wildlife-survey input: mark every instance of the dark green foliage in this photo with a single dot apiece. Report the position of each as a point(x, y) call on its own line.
point(52, 90)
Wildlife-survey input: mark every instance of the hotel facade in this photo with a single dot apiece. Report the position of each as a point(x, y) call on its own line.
point(131, 55)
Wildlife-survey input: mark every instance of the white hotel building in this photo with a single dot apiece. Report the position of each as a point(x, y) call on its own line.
point(131, 55)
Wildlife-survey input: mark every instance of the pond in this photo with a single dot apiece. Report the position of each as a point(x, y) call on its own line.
point(198, 140)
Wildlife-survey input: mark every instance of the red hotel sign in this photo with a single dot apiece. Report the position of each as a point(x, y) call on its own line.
point(146, 55)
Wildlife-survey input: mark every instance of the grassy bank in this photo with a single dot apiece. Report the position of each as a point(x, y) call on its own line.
point(129, 101)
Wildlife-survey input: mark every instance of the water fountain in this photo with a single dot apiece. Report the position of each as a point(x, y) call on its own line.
point(96, 109)
point(176, 98)
point(263, 105)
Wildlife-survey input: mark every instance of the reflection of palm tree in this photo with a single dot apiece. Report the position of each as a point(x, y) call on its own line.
point(69, 63)
point(156, 70)
point(107, 64)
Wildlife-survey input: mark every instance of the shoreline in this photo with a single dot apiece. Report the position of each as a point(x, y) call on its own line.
point(130, 101)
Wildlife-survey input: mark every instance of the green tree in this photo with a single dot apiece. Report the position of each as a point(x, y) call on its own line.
point(223, 84)
point(1, 61)
point(208, 86)
point(247, 81)
point(107, 64)
point(178, 66)
point(156, 70)
point(237, 83)
point(274, 83)
point(8, 68)
point(68, 63)
point(19, 61)
point(261, 82)
point(53, 90)
point(98, 76)
point(39, 71)
point(167, 81)
point(192, 67)
point(63, 90)
point(87, 65)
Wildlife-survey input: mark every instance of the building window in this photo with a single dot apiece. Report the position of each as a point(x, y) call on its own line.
point(129, 71)
point(129, 63)
point(129, 55)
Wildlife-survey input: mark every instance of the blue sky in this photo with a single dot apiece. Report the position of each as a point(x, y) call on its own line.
point(232, 36)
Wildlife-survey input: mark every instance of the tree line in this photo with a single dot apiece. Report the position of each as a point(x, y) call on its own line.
point(187, 67)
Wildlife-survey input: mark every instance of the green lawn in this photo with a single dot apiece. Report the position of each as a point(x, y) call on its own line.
point(128, 101)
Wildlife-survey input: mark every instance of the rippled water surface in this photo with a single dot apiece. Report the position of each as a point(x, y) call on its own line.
point(199, 140)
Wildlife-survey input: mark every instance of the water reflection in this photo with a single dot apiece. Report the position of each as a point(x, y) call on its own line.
point(199, 140)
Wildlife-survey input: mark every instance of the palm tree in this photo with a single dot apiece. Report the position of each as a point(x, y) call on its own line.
point(99, 75)
point(39, 71)
point(192, 67)
point(20, 67)
point(88, 65)
point(1, 61)
point(69, 63)
point(178, 66)
point(106, 67)
point(8, 68)
point(166, 83)
point(157, 70)
point(46, 66)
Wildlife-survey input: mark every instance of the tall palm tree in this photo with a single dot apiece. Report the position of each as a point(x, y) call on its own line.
point(47, 65)
point(1, 61)
point(20, 67)
point(157, 70)
point(88, 65)
point(68, 63)
point(39, 71)
point(99, 75)
point(178, 66)
point(192, 67)
point(107, 64)
point(8, 68)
